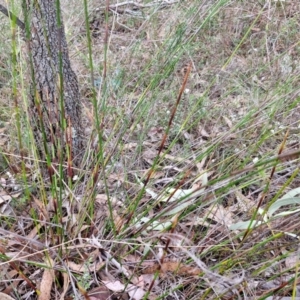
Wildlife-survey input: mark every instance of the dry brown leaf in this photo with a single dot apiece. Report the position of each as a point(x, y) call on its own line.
point(46, 283)
point(99, 293)
point(5, 297)
point(115, 286)
point(4, 197)
point(133, 291)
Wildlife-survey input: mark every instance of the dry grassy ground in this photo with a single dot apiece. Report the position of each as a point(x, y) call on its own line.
point(231, 156)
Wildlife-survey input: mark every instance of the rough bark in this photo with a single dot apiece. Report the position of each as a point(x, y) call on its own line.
point(55, 107)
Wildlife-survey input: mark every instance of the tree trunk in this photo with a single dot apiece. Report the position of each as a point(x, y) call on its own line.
point(55, 107)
